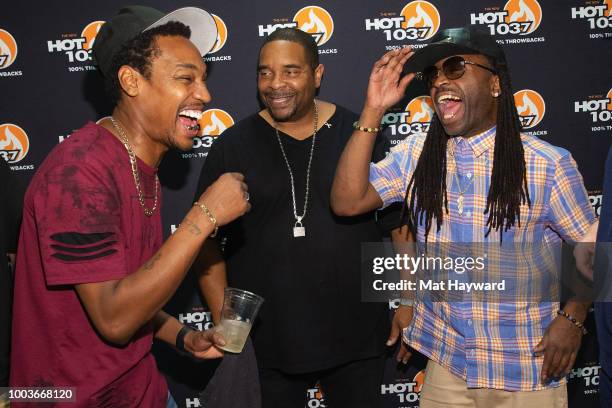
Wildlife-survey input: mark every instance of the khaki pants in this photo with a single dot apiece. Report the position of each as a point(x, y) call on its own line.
point(4, 402)
point(442, 389)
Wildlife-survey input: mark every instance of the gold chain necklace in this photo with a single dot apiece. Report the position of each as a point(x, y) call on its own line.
point(124, 139)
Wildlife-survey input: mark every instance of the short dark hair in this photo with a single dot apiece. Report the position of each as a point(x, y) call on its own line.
point(297, 36)
point(138, 53)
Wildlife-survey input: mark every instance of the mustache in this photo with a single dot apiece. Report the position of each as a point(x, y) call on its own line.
point(447, 89)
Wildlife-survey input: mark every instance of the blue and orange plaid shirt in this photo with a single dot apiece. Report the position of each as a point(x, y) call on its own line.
point(489, 344)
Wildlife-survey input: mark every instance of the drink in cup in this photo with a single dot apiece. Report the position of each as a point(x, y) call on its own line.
point(237, 315)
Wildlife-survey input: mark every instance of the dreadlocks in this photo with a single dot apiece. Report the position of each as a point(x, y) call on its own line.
point(426, 196)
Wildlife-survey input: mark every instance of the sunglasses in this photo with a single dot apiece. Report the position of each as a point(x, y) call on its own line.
point(453, 68)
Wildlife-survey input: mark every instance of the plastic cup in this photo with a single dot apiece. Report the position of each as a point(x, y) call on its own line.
point(237, 315)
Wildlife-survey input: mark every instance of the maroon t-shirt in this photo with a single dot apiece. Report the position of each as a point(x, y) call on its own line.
point(83, 223)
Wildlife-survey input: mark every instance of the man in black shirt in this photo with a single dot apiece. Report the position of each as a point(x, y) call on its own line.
point(291, 249)
point(11, 191)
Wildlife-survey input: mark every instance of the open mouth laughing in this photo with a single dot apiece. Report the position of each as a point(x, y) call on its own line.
point(449, 104)
point(189, 118)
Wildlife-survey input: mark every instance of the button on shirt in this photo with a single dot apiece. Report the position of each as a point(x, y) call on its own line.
point(489, 344)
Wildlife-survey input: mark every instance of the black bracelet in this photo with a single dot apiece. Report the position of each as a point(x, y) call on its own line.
point(180, 338)
point(574, 321)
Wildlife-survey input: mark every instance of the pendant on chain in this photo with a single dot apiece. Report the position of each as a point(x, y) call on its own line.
point(460, 204)
point(298, 229)
point(299, 232)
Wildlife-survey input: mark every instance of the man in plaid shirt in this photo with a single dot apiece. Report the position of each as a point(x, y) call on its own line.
point(473, 178)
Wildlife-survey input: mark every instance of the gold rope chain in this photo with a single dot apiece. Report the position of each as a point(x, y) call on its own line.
point(124, 139)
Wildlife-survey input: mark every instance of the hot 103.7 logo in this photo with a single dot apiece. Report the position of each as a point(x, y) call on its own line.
point(222, 36)
point(317, 22)
point(8, 49)
point(212, 124)
point(14, 143)
point(588, 374)
point(518, 17)
point(417, 21)
point(530, 106)
point(599, 108)
point(8, 54)
point(77, 48)
point(314, 20)
point(598, 16)
point(416, 118)
point(315, 397)
point(596, 199)
point(197, 319)
point(14, 146)
point(406, 392)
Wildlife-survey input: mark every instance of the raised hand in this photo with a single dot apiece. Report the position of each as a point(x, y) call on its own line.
point(387, 86)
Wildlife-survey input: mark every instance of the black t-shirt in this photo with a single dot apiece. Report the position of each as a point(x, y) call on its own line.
point(11, 202)
point(312, 317)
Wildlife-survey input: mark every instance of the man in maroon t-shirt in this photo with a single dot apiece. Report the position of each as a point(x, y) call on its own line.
point(92, 271)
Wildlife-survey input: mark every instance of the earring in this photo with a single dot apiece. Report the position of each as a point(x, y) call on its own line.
point(495, 94)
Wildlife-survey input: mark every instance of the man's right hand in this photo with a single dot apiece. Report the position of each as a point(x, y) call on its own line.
point(386, 86)
point(401, 320)
point(227, 198)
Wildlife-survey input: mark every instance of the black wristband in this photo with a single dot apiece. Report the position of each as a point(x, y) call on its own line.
point(180, 338)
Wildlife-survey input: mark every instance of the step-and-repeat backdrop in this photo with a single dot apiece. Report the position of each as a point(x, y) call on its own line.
point(559, 51)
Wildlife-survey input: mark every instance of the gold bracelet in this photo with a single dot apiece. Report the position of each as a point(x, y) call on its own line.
point(357, 126)
point(210, 216)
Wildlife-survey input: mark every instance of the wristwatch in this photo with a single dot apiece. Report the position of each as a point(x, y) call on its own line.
point(406, 302)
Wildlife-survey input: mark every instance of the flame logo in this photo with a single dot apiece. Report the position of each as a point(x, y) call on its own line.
point(530, 106)
point(609, 7)
point(89, 33)
point(419, 379)
point(421, 109)
point(319, 393)
point(316, 21)
point(214, 122)
point(609, 96)
point(221, 34)
point(522, 11)
point(421, 14)
point(8, 49)
point(14, 142)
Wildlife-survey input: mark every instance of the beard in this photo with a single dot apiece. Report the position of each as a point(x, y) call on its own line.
point(282, 116)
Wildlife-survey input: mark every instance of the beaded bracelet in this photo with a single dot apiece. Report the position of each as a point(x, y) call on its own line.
point(574, 321)
point(357, 126)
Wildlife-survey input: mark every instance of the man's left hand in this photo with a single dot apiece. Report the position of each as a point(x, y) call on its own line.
point(560, 346)
point(401, 320)
point(203, 344)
